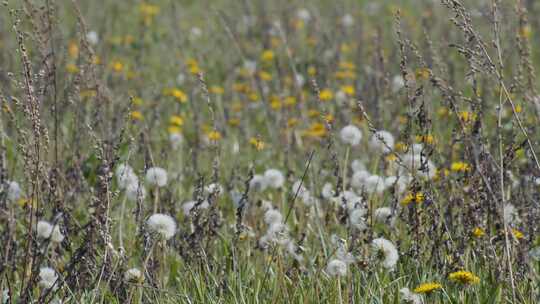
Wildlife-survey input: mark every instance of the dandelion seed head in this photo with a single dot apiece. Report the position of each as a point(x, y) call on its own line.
point(163, 225)
point(47, 277)
point(274, 178)
point(351, 135)
point(382, 141)
point(336, 268)
point(133, 275)
point(156, 176)
point(387, 250)
point(14, 191)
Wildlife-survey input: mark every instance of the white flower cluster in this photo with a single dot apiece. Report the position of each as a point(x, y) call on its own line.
point(339, 265)
point(277, 232)
point(45, 230)
point(410, 297)
point(47, 278)
point(129, 181)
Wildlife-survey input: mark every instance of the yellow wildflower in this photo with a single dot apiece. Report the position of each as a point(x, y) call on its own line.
point(117, 66)
point(460, 167)
point(464, 277)
point(349, 90)
point(179, 95)
point(176, 120)
point(214, 135)
point(174, 130)
point(267, 56)
point(326, 95)
point(517, 234)
point(265, 76)
point(316, 130)
point(478, 232)
point(257, 143)
point(136, 115)
point(417, 197)
point(427, 287)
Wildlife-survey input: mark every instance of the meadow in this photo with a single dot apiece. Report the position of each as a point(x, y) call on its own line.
point(251, 151)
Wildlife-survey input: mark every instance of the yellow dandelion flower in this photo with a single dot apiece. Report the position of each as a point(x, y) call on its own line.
point(467, 116)
point(316, 130)
point(426, 139)
point(179, 95)
point(174, 130)
point(176, 120)
point(257, 143)
point(265, 76)
point(427, 287)
point(478, 232)
point(289, 101)
point(267, 56)
point(254, 97)
point(464, 277)
point(348, 89)
point(117, 66)
point(422, 73)
point(460, 167)
point(326, 95)
point(400, 146)
point(328, 118)
point(411, 197)
point(517, 234)
point(275, 103)
point(311, 71)
point(214, 135)
point(291, 122)
point(136, 115)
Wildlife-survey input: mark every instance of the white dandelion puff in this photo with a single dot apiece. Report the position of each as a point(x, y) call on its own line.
point(274, 178)
point(358, 179)
point(133, 275)
point(163, 225)
point(328, 191)
point(347, 20)
point(409, 296)
point(156, 176)
point(356, 218)
point(351, 135)
point(510, 214)
point(125, 176)
point(92, 37)
point(336, 268)
point(135, 192)
point(45, 230)
point(382, 214)
point(47, 277)
point(358, 165)
point(257, 183)
point(382, 141)
point(273, 216)
point(386, 249)
point(14, 191)
point(188, 206)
